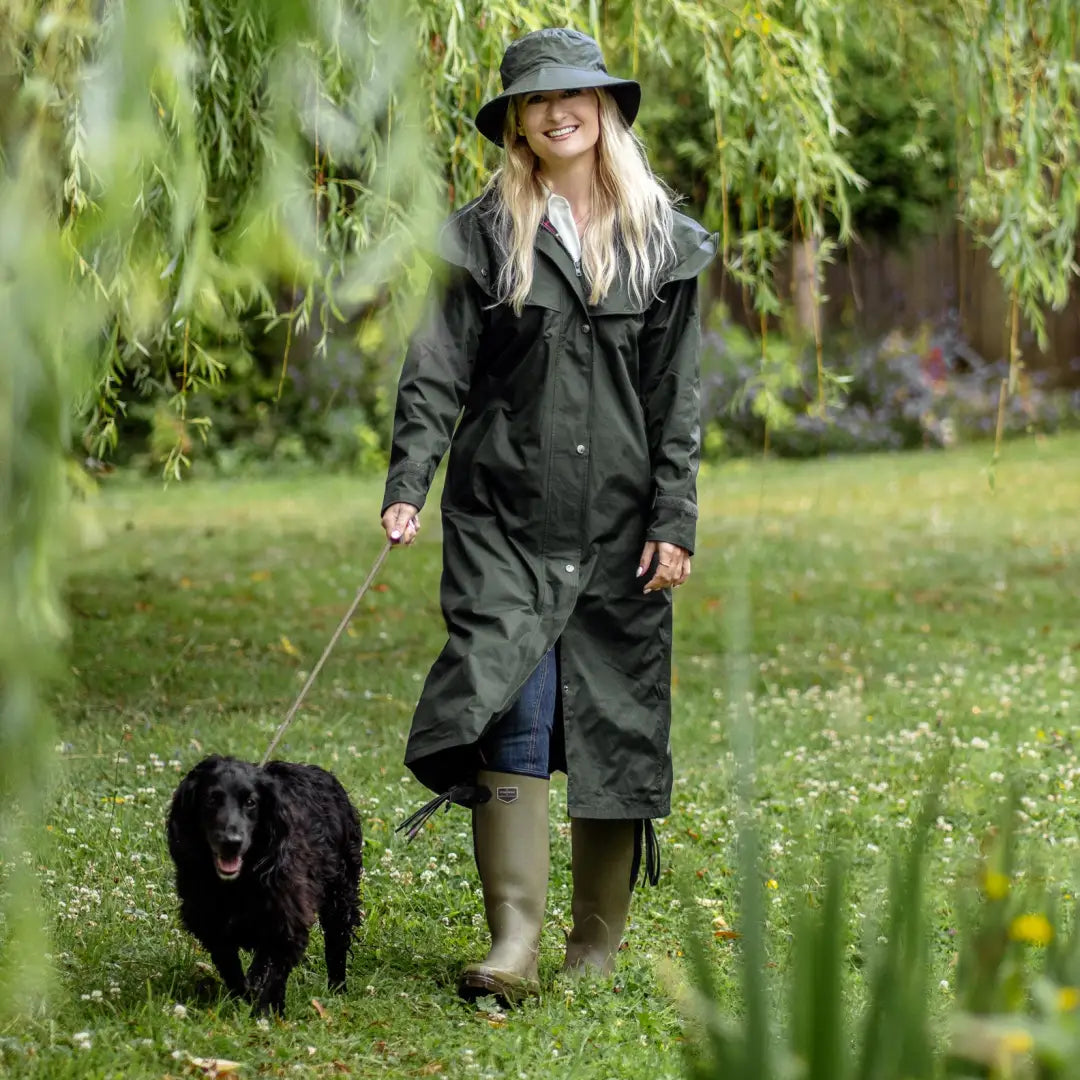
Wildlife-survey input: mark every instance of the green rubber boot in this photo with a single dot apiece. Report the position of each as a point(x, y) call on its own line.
point(510, 839)
point(602, 855)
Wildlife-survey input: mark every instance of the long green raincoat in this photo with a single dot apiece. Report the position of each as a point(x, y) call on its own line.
point(577, 442)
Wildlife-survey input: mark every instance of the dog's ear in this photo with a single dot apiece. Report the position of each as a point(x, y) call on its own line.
point(275, 833)
point(186, 840)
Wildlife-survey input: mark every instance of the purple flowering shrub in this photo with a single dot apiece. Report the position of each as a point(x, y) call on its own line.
point(900, 392)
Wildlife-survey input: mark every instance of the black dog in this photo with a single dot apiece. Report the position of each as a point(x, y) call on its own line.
point(259, 853)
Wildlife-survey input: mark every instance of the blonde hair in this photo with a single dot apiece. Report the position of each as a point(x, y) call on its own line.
point(630, 218)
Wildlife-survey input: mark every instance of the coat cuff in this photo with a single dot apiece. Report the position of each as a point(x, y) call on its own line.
point(673, 521)
point(407, 482)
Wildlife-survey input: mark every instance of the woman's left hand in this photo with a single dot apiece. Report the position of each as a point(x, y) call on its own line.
point(672, 565)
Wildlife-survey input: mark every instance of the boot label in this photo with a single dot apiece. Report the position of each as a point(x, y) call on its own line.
point(506, 794)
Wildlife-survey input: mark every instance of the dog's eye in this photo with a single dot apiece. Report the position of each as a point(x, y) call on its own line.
point(251, 802)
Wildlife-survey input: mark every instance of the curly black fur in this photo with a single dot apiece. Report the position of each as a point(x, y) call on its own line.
point(260, 853)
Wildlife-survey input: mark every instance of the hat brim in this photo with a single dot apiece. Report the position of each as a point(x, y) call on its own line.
point(491, 117)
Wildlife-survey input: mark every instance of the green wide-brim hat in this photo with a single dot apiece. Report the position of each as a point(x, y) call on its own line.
point(555, 59)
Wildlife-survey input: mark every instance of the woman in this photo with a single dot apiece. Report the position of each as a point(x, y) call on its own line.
point(566, 340)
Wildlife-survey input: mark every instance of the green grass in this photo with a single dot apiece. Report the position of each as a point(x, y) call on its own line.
point(867, 613)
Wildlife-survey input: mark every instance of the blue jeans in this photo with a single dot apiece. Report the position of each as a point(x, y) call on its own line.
point(520, 740)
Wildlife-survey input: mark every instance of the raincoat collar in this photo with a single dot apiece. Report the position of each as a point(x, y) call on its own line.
point(695, 248)
point(465, 242)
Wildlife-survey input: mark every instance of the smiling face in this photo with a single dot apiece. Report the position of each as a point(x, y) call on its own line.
point(560, 125)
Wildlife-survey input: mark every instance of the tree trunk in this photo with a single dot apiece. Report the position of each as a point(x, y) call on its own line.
point(805, 291)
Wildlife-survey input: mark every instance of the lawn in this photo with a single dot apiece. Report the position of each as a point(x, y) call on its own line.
point(868, 614)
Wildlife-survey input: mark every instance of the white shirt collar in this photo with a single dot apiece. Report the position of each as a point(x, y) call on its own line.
point(561, 217)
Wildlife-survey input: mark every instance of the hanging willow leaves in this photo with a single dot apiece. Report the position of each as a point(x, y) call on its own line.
point(1019, 72)
point(165, 169)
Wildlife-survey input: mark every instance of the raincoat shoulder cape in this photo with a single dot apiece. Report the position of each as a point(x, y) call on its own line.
point(573, 434)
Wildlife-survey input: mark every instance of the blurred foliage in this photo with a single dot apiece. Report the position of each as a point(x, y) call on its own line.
point(891, 1038)
point(151, 199)
point(1014, 1012)
point(898, 132)
point(1015, 75)
point(1018, 76)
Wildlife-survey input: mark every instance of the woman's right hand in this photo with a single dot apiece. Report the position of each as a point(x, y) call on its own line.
point(402, 522)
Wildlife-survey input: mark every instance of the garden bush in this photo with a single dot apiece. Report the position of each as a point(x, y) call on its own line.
point(927, 389)
point(327, 406)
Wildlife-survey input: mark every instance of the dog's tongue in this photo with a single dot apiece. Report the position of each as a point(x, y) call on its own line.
point(228, 866)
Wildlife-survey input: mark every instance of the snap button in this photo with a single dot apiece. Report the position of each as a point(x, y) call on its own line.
point(586, 328)
point(581, 448)
point(569, 567)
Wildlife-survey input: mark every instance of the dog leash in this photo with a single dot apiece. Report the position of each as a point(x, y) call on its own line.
point(326, 652)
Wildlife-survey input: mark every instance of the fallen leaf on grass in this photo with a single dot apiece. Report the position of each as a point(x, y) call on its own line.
point(288, 647)
point(261, 575)
point(431, 1068)
point(214, 1066)
point(318, 1006)
point(721, 930)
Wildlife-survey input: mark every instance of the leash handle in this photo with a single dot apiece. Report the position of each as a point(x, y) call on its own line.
point(326, 652)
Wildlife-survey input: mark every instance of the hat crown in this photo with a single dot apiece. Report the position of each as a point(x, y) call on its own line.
point(555, 47)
